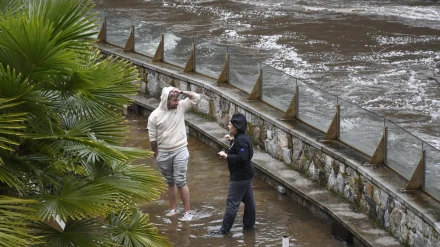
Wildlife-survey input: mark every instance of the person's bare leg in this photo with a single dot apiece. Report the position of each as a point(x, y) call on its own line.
point(184, 194)
point(172, 194)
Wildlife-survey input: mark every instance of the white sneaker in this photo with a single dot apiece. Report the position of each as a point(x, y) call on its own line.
point(187, 217)
point(172, 212)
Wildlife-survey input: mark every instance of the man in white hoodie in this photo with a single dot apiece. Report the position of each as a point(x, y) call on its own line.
point(167, 133)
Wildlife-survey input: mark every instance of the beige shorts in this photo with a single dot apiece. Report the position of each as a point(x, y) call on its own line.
point(173, 166)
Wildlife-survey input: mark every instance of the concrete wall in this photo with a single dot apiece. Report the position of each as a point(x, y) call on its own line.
point(375, 192)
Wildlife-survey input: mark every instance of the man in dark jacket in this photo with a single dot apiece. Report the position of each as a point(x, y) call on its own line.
point(241, 172)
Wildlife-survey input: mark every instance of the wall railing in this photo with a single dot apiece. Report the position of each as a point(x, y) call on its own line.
point(379, 138)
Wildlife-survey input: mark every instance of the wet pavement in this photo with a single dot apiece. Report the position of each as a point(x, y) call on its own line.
point(277, 214)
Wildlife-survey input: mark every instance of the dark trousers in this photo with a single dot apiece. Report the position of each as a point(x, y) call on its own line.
point(239, 191)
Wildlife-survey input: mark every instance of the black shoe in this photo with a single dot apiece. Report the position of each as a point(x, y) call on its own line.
point(218, 232)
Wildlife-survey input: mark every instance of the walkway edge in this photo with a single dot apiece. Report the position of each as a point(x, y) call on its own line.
point(411, 217)
point(363, 228)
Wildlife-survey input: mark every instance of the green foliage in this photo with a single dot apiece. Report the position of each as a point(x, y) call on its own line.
point(61, 133)
point(13, 221)
point(126, 225)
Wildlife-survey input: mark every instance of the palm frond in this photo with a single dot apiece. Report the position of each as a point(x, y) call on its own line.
point(100, 89)
point(42, 173)
point(20, 91)
point(21, 42)
point(85, 138)
point(9, 178)
point(10, 124)
point(85, 148)
point(91, 231)
point(14, 214)
point(132, 229)
point(131, 181)
point(95, 88)
point(78, 200)
point(10, 6)
point(55, 91)
point(111, 131)
point(71, 19)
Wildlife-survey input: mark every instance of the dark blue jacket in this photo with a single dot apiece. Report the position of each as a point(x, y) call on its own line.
point(239, 158)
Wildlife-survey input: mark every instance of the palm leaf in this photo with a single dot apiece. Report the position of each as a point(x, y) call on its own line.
point(85, 138)
point(129, 180)
point(50, 70)
point(78, 200)
point(10, 6)
point(95, 89)
point(10, 124)
point(15, 87)
point(134, 230)
point(13, 222)
point(91, 231)
point(79, 146)
point(9, 178)
point(101, 89)
point(20, 42)
point(108, 130)
point(72, 22)
point(43, 173)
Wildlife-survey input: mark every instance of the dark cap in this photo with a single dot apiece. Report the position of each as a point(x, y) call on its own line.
point(239, 122)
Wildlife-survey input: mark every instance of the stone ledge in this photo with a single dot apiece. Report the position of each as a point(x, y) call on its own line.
point(358, 224)
point(418, 202)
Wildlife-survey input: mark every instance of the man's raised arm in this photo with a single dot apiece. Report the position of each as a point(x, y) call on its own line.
point(191, 95)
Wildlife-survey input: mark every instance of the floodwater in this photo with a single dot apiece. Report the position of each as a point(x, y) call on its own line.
point(277, 214)
point(377, 54)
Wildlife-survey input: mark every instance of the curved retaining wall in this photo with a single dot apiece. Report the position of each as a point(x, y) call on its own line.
point(329, 176)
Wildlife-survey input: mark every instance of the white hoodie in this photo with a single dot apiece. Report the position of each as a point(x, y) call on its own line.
point(167, 126)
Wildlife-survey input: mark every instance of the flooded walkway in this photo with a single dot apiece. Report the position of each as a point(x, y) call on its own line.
point(277, 214)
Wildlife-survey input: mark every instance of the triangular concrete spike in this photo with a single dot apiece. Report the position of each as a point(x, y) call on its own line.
point(292, 110)
point(158, 56)
point(129, 46)
point(102, 32)
point(256, 91)
point(380, 153)
point(190, 63)
point(416, 181)
point(333, 129)
point(223, 77)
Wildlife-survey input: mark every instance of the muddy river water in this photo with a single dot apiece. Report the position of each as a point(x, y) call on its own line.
point(377, 53)
point(208, 176)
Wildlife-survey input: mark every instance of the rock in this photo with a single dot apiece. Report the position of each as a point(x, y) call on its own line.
point(296, 149)
point(143, 87)
point(287, 155)
point(386, 219)
point(203, 105)
point(348, 193)
point(256, 121)
point(376, 195)
point(153, 86)
point(340, 181)
point(269, 134)
point(331, 185)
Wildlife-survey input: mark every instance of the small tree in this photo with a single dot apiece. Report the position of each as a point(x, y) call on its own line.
point(62, 131)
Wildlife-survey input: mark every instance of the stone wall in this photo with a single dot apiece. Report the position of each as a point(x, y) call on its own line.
point(341, 178)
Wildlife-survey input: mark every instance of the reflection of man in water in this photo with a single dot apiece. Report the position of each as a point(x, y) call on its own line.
point(241, 172)
point(179, 232)
point(167, 133)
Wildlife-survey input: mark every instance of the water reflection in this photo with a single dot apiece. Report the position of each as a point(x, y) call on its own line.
point(277, 215)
